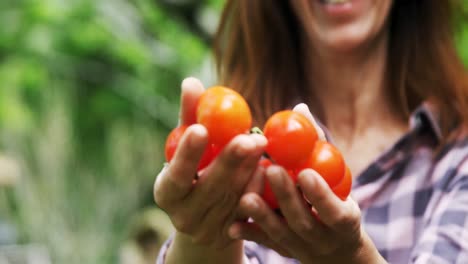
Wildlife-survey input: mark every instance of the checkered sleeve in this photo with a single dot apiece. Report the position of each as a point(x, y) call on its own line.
point(163, 250)
point(444, 238)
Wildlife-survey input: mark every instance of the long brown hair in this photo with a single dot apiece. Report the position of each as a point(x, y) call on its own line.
point(258, 52)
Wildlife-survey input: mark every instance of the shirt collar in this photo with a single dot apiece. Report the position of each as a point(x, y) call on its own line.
point(427, 116)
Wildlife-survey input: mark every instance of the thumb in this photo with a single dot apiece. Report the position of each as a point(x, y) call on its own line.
point(303, 109)
point(192, 89)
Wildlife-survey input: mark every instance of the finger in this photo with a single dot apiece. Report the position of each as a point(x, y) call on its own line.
point(251, 204)
point(304, 110)
point(159, 194)
point(255, 185)
point(175, 181)
point(252, 232)
point(294, 207)
point(192, 89)
point(234, 166)
point(337, 214)
point(257, 182)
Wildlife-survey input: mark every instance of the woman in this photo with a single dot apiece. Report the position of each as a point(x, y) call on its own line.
point(384, 78)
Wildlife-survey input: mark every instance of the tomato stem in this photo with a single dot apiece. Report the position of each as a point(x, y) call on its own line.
point(256, 130)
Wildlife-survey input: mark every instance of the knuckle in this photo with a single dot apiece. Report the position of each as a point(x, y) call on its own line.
point(159, 190)
point(260, 214)
point(285, 196)
point(280, 235)
point(321, 197)
point(159, 197)
point(261, 217)
point(228, 199)
point(326, 248)
point(303, 226)
point(356, 215)
point(237, 152)
point(183, 224)
point(340, 219)
point(213, 191)
point(345, 219)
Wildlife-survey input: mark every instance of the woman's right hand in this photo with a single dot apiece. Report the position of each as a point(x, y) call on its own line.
point(203, 209)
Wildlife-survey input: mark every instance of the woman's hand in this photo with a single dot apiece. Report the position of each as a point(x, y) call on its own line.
point(328, 232)
point(202, 209)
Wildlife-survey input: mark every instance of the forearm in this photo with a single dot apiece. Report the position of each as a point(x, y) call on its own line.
point(183, 251)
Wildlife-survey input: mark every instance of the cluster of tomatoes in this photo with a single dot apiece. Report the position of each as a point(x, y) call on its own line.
point(292, 140)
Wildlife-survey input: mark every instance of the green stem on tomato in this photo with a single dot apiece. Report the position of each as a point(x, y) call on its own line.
point(256, 130)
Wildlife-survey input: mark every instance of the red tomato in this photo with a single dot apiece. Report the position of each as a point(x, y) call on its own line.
point(328, 162)
point(172, 142)
point(343, 188)
point(224, 113)
point(265, 163)
point(208, 156)
point(268, 194)
point(291, 138)
point(293, 174)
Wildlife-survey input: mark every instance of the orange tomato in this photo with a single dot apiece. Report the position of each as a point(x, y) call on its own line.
point(224, 113)
point(327, 160)
point(343, 188)
point(291, 138)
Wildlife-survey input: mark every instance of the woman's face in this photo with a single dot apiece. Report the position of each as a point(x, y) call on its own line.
point(342, 25)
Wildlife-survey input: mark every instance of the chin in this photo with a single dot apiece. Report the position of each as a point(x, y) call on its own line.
point(345, 44)
point(347, 39)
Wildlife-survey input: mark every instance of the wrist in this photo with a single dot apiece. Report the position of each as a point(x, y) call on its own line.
point(184, 250)
point(366, 252)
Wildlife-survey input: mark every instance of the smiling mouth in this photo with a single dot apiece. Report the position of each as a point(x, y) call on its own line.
point(334, 2)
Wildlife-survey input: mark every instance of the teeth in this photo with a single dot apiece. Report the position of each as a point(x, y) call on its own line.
point(335, 2)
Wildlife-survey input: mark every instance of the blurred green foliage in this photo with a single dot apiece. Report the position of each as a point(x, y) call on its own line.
point(89, 89)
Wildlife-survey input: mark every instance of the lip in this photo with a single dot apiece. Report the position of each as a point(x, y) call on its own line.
point(340, 10)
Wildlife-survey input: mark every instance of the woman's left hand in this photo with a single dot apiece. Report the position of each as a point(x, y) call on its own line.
point(329, 232)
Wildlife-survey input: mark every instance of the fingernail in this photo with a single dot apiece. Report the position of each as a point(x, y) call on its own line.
point(301, 107)
point(308, 175)
point(252, 203)
point(243, 147)
point(274, 170)
point(260, 140)
point(189, 82)
point(199, 130)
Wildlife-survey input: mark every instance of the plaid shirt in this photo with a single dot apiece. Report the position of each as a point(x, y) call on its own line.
point(414, 203)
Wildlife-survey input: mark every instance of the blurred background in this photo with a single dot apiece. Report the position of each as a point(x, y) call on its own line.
point(89, 90)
